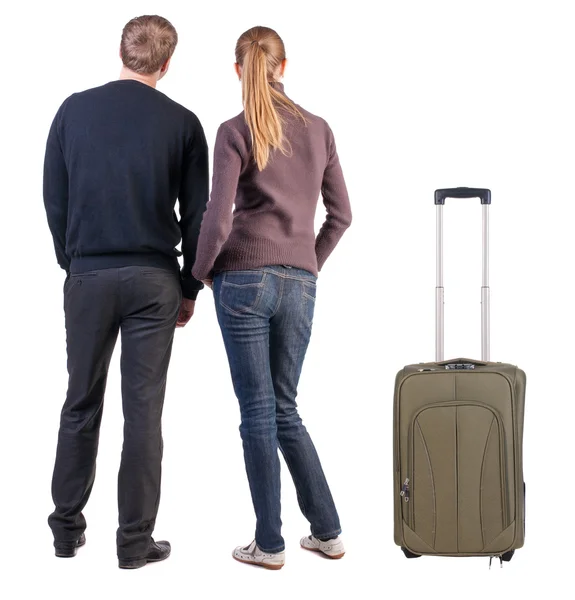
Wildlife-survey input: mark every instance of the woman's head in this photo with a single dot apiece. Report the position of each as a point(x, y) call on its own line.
point(264, 47)
point(261, 59)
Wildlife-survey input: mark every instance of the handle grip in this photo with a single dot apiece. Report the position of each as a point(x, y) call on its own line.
point(463, 192)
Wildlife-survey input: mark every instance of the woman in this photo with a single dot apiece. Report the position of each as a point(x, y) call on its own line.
point(272, 161)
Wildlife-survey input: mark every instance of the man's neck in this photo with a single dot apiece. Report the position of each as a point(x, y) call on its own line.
point(150, 80)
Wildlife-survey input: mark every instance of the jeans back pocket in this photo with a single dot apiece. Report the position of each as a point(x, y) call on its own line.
point(241, 291)
point(308, 297)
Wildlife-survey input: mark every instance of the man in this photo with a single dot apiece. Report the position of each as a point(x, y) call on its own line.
point(117, 158)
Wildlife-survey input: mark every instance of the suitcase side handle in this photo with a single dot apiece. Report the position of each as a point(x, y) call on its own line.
point(463, 192)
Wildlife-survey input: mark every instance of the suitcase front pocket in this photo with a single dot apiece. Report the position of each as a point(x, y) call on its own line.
point(458, 497)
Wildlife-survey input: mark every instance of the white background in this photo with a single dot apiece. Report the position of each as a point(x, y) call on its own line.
point(420, 95)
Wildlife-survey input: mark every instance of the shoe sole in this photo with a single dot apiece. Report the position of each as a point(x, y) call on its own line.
point(267, 566)
point(70, 554)
point(322, 553)
point(141, 563)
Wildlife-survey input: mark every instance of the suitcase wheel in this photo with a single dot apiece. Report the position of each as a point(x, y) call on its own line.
point(409, 554)
point(507, 556)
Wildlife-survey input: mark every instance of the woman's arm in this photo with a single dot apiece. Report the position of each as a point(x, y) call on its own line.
point(336, 201)
point(217, 221)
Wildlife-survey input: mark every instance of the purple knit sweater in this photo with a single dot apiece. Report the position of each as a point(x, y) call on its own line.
point(273, 219)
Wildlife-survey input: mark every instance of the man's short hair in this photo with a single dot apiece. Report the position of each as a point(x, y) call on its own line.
point(147, 43)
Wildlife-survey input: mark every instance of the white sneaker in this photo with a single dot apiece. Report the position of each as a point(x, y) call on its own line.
point(252, 555)
point(332, 548)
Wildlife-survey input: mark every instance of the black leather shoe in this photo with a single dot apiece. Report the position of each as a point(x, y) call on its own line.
point(158, 551)
point(69, 549)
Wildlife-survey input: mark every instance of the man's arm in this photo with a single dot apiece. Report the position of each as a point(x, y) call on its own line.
point(56, 191)
point(193, 197)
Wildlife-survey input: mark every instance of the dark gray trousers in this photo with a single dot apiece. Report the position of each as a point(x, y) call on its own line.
point(142, 304)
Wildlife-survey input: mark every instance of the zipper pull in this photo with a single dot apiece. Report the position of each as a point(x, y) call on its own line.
point(405, 490)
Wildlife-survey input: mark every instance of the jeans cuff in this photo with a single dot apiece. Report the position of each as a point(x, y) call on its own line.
point(327, 536)
point(274, 551)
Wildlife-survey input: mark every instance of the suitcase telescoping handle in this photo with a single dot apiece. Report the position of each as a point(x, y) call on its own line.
point(485, 196)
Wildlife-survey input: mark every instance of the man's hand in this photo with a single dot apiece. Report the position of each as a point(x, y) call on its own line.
point(186, 311)
point(208, 282)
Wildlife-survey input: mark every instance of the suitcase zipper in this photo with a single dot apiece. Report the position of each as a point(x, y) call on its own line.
point(405, 505)
point(405, 490)
point(410, 507)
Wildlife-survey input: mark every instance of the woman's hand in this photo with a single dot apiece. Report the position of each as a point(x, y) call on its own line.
point(208, 282)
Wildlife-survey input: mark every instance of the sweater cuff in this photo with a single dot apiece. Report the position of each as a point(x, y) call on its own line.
point(190, 295)
point(200, 273)
point(191, 288)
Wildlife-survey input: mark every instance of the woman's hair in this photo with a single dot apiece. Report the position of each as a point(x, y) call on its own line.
point(260, 52)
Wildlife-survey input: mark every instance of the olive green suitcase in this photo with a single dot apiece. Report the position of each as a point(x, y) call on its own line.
point(458, 431)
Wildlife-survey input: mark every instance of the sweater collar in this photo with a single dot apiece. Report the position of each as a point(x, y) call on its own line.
point(279, 86)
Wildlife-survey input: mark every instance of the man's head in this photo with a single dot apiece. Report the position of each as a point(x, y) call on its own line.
point(147, 45)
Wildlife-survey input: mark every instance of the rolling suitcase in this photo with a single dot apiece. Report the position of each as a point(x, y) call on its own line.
point(458, 431)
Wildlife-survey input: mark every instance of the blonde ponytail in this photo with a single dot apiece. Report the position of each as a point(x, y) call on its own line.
point(260, 52)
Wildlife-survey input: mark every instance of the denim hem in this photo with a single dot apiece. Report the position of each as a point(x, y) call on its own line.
point(274, 551)
point(330, 536)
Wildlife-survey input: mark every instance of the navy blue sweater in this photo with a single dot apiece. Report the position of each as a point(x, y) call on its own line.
point(117, 159)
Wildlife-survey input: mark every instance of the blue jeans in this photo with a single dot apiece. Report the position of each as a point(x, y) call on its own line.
point(266, 317)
